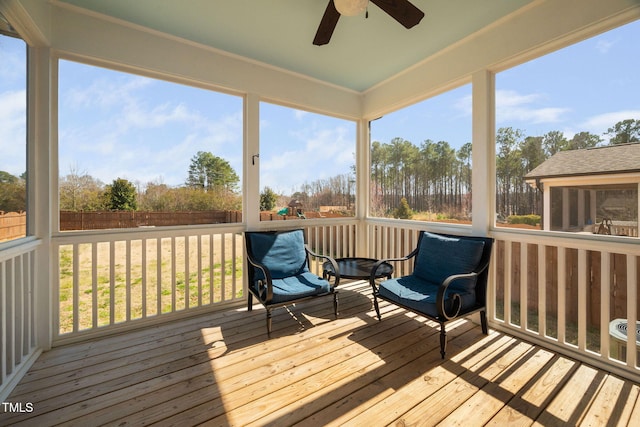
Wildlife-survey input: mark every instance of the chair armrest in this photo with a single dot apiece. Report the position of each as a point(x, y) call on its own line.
point(442, 289)
point(374, 269)
point(265, 287)
point(333, 262)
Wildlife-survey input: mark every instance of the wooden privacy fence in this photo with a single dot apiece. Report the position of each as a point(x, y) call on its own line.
point(131, 219)
point(100, 220)
point(13, 225)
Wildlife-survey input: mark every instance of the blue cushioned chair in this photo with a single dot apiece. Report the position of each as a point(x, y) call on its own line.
point(279, 271)
point(449, 280)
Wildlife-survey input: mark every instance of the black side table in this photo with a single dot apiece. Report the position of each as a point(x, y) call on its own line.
point(357, 268)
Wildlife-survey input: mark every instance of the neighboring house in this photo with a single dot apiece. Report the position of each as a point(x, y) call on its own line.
point(592, 190)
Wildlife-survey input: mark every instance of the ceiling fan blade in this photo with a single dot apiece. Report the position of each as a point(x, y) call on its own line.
point(327, 25)
point(401, 10)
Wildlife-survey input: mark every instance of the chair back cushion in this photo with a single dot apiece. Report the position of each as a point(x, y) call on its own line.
point(282, 252)
point(442, 256)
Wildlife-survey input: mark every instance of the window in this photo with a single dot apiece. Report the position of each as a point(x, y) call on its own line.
point(13, 143)
point(421, 160)
point(567, 139)
point(136, 151)
point(307, 164)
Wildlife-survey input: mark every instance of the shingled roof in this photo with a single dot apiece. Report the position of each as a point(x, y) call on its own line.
point(622, 158)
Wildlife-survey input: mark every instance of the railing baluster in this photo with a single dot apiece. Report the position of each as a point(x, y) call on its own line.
point(127, 279)
point(143, 272)
point(30, 301)
point(605, 311)
point(9, 298)
point(508, 269)
point(562, 291)
point(223, 267)
point(4, 332)
point(187, 272)
point(94, 285)
point(211, 269)
point(158, 276)
point(75, 265)
point(112, 282)
point(542, 290)
point(199, 263)
point(632, 309)
point(524, 297)
point(174, 273)
point(233, 266)
point(583, 285)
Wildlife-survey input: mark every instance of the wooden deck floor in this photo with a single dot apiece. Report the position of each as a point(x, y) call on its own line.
point(222, 370)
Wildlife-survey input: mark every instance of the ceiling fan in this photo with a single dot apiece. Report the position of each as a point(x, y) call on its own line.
point(401, 10)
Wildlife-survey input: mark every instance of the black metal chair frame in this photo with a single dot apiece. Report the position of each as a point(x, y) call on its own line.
point(481, 273)
point(264, 292)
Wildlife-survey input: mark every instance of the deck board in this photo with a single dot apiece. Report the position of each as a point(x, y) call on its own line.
point(221, 370)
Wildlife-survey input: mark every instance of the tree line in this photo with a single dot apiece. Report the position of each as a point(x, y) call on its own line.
point(430, 177)
point(435, 177)
point(13, 192)
point(211, 184)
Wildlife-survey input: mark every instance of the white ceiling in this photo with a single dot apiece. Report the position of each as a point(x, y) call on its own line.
point(362, 52)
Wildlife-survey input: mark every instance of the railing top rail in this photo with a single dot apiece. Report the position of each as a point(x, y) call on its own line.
point(421, 225)
point(630, 245)
point(114, 234)
point(13, 248)
point(89, 236)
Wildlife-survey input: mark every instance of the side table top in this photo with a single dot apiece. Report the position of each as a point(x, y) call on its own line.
point(358, 268)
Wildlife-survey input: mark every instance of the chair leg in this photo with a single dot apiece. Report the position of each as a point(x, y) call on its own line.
point(335, 304)
point(443, 340)
point(483, 322)
point(376, 306)
point(269, 322)
point(250, 302)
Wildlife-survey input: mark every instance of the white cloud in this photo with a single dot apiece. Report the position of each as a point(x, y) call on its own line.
point(512, 106)
point(120, 127)
point(600, 123)
point(13, 64)
point(603, 46)
point(464, 105)
point(314, 154)
point(13, 140)
point(299, 114)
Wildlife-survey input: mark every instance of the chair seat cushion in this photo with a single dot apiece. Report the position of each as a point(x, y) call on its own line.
point(421, 295)
point(299, 286)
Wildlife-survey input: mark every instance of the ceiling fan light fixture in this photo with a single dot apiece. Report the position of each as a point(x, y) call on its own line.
point(350, 7)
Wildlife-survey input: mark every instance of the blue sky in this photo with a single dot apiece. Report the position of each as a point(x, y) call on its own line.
point(12, 106)
point(120, 125)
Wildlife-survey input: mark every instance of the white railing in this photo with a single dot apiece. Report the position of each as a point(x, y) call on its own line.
point(336, 239)
point(17, 312)
point(560, 290)
point(113, 279)
point(567, 292)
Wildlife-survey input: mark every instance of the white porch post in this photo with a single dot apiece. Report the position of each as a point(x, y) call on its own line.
point(483, 196)
point(42, 167)
point(363, 186)
point(251, 169)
